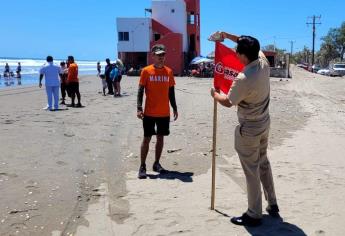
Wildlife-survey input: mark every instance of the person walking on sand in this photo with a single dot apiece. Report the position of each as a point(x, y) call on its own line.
point(250, 92)
point(157, 81)
point(99, 67)
point(107, 71)
point(73, 82)
point(50, 73)
point(63, 81)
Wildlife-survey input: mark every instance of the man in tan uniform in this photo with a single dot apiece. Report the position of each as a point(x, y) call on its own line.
point(250, 91)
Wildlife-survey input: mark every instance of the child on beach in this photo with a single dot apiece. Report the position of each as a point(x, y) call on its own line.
point(63, 81)
point(99, 67)
point(104, 83)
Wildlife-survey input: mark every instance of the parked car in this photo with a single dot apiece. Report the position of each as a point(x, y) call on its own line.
point(315, 68)
point(338, 69)
point(324, 72)
point(304, 66)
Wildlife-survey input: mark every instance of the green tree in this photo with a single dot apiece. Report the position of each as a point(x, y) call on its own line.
point(333, 46)
point(303, 56)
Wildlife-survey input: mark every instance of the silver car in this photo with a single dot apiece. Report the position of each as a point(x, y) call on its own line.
point(338, 69)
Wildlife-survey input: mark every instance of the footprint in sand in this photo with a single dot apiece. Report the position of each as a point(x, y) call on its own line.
point(61, 163)
point(173, 223)
point(3, 174)
point(8, 122)
point(69, 135)
point(320, 232)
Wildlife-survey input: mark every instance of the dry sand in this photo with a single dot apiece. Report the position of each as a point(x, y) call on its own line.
point(73, 172)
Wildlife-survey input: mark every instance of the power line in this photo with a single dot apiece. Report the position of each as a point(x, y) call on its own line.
point(314, 30)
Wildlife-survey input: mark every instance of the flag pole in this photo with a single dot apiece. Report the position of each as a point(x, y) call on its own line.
point(214, 147)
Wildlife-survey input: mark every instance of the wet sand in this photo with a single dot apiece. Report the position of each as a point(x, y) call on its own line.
point(73, 172)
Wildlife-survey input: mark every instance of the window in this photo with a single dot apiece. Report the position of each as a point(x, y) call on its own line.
point(123, 36)
point(191, 18)
point(157, 37)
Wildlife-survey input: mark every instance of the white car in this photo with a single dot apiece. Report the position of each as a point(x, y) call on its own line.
point(324, 72)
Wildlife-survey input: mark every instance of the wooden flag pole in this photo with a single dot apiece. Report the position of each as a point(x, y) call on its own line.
point(214, 148)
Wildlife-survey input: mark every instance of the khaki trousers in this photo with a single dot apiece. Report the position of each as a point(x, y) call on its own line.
point(251, 146)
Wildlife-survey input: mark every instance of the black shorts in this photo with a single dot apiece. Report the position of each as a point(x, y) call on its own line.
point(150, 123)
point(73, 88)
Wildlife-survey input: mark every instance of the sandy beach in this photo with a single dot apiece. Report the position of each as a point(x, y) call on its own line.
point(74, 172)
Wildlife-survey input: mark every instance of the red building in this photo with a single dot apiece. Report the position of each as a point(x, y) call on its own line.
point(176, 24)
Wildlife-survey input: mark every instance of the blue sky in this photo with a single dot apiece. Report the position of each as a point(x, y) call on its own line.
point(87, 29)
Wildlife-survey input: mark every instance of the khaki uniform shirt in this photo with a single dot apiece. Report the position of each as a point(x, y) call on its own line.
point(250, 91)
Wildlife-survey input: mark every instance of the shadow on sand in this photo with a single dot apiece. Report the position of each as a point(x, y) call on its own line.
point(171, 175)
point(271, 227)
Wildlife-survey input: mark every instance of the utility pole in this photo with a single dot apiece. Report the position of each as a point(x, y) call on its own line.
point(314, 29)
point(291, 43)
point(289, 59)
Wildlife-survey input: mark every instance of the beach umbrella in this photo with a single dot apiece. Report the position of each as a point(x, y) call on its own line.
point(201, 60)
point(211, 55)
point(196, 59)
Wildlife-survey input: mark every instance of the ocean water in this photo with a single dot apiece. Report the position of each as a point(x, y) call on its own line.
point(31, 67)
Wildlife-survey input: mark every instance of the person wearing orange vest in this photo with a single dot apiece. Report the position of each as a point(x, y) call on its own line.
point(73, 82)
point(158, 83)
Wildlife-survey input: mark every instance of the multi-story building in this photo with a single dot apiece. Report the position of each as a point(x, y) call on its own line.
point(174, 23)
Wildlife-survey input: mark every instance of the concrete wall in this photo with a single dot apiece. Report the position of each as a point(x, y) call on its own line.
point(139, 34)
point(279, 72)
point(172, 14)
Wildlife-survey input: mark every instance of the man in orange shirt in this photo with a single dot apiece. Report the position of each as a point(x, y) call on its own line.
point(73, 81)
point(157, 81)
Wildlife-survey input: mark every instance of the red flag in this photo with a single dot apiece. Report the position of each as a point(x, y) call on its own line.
point(227, 67)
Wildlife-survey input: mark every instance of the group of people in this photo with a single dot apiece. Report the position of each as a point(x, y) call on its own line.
point(204, 70)
point(111, 79)
point(250, 92)
point(8, 73)
point(65, 77)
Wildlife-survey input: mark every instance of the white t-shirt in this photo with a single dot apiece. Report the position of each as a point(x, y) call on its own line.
point(51, 74)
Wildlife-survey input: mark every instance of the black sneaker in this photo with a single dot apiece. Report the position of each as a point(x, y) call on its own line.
point(158, 168)
point(273, 210)
point(246, 220)
point(142, 172)
point(71, 105)
point(62, 102)
point(79, 105)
